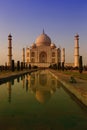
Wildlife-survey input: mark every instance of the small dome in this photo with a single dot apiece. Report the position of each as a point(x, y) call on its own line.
point(77, 35)
point(43, 39)
point(9, 37)
point(33, 45)
point(53, 45)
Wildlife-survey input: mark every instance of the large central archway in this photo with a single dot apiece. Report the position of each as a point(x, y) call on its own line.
point(43, 57)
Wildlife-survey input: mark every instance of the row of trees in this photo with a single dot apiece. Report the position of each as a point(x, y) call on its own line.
point(61, 66)
point(19, 66)
point(16, 66)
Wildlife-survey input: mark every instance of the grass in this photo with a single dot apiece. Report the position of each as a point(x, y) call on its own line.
point(76, 74)
point(8, 72)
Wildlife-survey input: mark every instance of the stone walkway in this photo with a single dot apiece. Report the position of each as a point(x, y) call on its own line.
point(9, 73)
point(5, 76)
point(78, 89)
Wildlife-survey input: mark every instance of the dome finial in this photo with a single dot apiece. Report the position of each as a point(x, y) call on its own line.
point(43, 31)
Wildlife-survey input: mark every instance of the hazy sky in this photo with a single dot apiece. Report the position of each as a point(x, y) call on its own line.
point(25, 20)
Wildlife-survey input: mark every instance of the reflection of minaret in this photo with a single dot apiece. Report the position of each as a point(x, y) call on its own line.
point(76, 51)
point(9, 91)
point(9, 50)
point(63, 55)
point(23, 55)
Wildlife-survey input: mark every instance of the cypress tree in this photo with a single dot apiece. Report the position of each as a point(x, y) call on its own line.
point(63, 66)
point(21, 65)
point(59, 66)
point(29, 66)
point(12, 65)
point(18, 65)
point(80, 65)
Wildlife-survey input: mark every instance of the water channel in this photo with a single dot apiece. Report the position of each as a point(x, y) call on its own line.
point(37, 101)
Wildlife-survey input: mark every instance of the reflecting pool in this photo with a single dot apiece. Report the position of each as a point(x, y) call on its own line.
point(37, 101)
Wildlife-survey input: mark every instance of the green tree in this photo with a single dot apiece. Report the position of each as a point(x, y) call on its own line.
point(63, 66)
point(12, 65)
point(80, 64)
point(18, 65)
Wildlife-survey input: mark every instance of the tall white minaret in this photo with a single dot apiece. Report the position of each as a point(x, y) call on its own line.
point(9, 50)
point(76, 51)
point(63, 55)
point(23, 55)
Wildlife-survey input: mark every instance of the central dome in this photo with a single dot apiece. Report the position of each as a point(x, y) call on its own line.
point(43, 40)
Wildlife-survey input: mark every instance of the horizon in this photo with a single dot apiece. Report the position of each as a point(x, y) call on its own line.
point(25, 20)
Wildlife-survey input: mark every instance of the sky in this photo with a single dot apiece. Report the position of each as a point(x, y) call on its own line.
point(25, 20)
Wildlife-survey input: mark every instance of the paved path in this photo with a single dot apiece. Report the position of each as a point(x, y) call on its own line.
point(9, 74)
point(4, 76)
point(78, 89)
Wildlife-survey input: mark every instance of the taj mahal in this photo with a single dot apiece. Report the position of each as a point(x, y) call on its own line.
point(44, 52)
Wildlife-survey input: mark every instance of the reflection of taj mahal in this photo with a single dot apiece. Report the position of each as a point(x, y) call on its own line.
point(43, 52)
point(42, 84)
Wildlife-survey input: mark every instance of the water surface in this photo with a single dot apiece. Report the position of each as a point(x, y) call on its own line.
point(39, 102)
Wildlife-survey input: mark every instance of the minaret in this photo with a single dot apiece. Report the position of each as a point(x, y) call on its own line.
point(76, 51)
point(9, 50)
point(63, 55)
point(24, 55)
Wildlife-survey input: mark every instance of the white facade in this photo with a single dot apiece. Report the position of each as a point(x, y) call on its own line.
point(43, 52)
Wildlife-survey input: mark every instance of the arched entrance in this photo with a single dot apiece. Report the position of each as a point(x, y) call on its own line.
point(43, 57)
